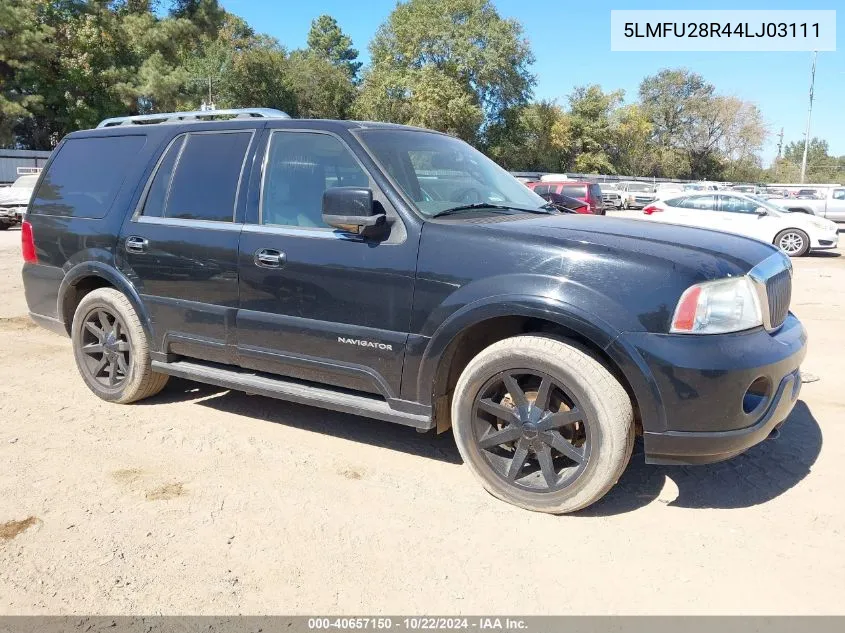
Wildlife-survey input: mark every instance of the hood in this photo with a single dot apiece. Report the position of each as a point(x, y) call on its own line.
point(806, 220)
point(18, 196)
point(704, 253)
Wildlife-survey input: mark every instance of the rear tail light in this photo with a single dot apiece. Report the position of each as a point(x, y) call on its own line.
point(652, 208)
point(28, 244)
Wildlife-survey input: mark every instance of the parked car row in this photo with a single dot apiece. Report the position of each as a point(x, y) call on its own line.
point(746, 210)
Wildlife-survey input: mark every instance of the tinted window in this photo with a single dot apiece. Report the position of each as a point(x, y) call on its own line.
point(205, 183)
point(541, 189)
point(575, 191)
point(300, 167)
point(675, 202)
point(86, 175)
point(704, 203)
point(732, 204)
point(156, 197)
point(839, 194)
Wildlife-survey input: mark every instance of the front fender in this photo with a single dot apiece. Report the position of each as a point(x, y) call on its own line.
point(84, 270)
point(586, 325)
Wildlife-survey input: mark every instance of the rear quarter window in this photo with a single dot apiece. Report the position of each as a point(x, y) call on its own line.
point(85, 176)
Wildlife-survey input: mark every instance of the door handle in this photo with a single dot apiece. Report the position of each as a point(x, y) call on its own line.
point(269, 258)
point(136, 244)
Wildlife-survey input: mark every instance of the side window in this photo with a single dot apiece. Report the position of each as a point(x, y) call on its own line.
point(702, 203)
point(300, 167)
point(732, 204)
point(85, 176)
point(205, 180)
point(839, 194)
point(157, 194)
point(541, 189)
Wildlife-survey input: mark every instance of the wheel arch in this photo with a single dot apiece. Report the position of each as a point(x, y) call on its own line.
point(479, 325)
point(85, 277)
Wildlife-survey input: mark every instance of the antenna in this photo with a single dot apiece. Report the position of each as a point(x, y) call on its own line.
point(809, 116)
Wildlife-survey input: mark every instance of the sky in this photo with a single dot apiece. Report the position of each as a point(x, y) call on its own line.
point(571, 43)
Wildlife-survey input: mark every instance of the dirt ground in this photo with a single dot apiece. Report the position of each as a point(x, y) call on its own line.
point(213, 502)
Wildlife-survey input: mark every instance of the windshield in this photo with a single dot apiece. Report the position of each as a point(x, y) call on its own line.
point(26, 181)
point(639, 188)
point(439, 172)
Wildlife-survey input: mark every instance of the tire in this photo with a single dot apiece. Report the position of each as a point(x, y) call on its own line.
point(793, 242)
point(4, 226)
point(582, 385)
point(121, 372)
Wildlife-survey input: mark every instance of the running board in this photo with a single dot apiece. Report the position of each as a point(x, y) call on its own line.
point(279, 387)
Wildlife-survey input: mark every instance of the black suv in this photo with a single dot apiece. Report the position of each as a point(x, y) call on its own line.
point(399, 274)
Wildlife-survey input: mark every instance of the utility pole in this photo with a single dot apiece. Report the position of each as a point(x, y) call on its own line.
point(809, 116)
point(780, 143)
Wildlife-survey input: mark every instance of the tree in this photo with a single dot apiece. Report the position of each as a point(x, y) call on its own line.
point(821, 166)
point(321, 89)
point(673, 98)
point(25, 47)
point(454, 63)
point(590, 110)
point(535, 137)
point(632, 152)
point(206, 15)
point(699, 134)
point(327, 40)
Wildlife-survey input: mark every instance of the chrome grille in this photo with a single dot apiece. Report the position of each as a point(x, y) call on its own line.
point(773, 280)
point(779, 292)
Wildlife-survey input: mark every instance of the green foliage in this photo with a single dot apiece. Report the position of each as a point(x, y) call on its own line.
point(328, 41)
point(534, 137)
point(821, 166)
point(450, 65)
point(455, 65)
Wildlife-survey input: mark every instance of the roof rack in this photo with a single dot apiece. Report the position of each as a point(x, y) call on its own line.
point(194, 115)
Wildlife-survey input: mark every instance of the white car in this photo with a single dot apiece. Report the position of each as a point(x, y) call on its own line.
point(794, 233)
point(14, 200)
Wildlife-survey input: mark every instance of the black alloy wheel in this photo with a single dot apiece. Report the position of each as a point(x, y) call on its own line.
point(531, 430)
point(106, 348)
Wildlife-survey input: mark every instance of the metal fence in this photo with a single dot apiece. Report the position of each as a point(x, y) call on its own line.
point(19, 162)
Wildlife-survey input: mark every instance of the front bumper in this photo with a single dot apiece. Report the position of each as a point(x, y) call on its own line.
point(706, 413)
point(825, 240)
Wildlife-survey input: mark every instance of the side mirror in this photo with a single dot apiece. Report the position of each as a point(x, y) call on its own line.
point(351, 209)
point(761, 212)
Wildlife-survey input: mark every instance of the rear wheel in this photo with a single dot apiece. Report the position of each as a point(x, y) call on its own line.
point(793, 242)
point(542, 424)
point(111, 349)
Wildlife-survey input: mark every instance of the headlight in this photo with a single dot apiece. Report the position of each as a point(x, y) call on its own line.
point(716, 307)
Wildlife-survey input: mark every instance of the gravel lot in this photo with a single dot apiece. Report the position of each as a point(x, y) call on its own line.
point(207, 501)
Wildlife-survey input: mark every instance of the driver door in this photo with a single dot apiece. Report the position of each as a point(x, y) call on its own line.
point(315, 303)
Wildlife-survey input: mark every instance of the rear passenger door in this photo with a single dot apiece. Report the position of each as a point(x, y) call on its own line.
point(180, 248)
point(318, 304)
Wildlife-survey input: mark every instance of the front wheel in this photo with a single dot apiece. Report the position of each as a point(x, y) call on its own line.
point(793, 242)
point(542, 424)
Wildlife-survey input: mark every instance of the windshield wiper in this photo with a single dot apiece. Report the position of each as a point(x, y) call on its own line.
point(487, 205)
point(470, 207)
